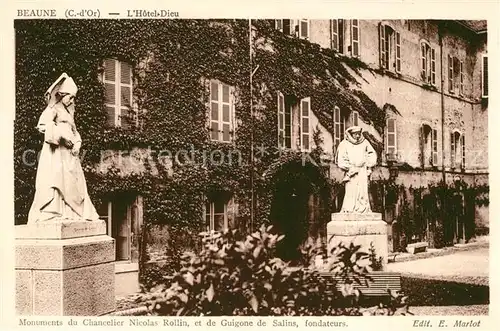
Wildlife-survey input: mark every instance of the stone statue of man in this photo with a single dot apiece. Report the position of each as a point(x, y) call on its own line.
point(356, 156)
point(60, 189)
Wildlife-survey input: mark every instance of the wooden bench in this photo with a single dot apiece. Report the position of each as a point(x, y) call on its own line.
point(419, 247)
point(379, 284)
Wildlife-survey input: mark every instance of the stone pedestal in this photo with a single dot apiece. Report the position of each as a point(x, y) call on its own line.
point(361, 229)
point(64, 268)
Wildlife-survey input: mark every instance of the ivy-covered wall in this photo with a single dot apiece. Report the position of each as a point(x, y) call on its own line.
point(181, 54)
point(172, 95)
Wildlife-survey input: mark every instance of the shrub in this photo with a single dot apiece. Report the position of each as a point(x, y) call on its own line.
point(376, 262)
point(165, 249)
point(241, 275)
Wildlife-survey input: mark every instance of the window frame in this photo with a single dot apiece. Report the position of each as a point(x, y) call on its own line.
point(300, 29)
point(457, 149)
point(428, 63)
point(210, 213)
point(355, 41)
point(434, 151)
point(338, 35)
point(456, 75)
point(220, 117)
point(118, 108)
point(339, 127)
point(388, 59)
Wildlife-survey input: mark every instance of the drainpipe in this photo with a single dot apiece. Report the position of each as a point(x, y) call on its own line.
point(440, 36)
point(252, 129)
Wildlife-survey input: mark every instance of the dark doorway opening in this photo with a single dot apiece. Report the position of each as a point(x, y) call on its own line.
point(300, 208)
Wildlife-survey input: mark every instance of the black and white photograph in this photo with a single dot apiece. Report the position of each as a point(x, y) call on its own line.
point(267, 167)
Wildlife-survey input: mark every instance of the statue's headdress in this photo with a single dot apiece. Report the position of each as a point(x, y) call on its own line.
point(63, 85)
point(353, 129)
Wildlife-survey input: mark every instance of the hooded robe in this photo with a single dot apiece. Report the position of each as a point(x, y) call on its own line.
point(356, 158)
point(60, 189)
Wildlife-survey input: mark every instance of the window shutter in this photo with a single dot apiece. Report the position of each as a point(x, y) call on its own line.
point(391, 146)
point(335, 35)
point(304, 28)
point(422, 145)
point(295, 27)
point(424, 62)
point(485, 76)
point(354, 118)
point(434, 148)
point(110, 91)
point(453, 152)
point(336, 127)
point(450, 73)
point(287, 26)
point(398, 52)
point(278, 25)
point(305, 132)
point(355, 37)
point(226, 112)
point(463, 150)
point(281, 120)
point(461, 77)
point(433, 66)
point(126, 116)
point(382, 46)
point(341, 23)
point(214, 110)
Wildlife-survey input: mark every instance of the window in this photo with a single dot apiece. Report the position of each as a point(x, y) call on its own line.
point(428, 61)
point(354, 118)
point(455, 75)
point(457, 151)
point(390, 48)
point(428, 146)
point(305, 124)
point(338, 35)
point(216, 213)
point(484, 78)
point(339, 126)
point(117, 79)
point(355, 38)
point(278, 24)
point(298, 28)
point(463, 152)
point(304, 29)
point(289, 27)
point(391, 140)
point(124, 215)
point(221, 111)
point(284, 122)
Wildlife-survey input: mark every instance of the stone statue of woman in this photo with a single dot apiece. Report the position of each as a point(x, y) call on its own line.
point(60, 189)
point(356, 156)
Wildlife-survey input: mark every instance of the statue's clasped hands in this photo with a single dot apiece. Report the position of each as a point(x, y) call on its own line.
point(75, 150)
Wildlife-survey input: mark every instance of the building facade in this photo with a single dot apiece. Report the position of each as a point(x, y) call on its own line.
point(247, 102)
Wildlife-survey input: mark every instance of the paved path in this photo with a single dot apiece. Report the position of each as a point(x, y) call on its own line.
point(471, 264)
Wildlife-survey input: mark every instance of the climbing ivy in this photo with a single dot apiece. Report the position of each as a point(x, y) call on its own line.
point(172, 62)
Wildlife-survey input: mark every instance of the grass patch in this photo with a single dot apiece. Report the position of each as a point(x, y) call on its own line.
point(434, 292)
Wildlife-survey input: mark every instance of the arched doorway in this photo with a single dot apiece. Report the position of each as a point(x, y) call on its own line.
point(299, 207)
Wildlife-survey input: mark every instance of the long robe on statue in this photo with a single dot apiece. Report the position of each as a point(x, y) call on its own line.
point(356, 158)
point(60, 189)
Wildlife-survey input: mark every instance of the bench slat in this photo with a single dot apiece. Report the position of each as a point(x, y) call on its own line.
point(379, 284)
